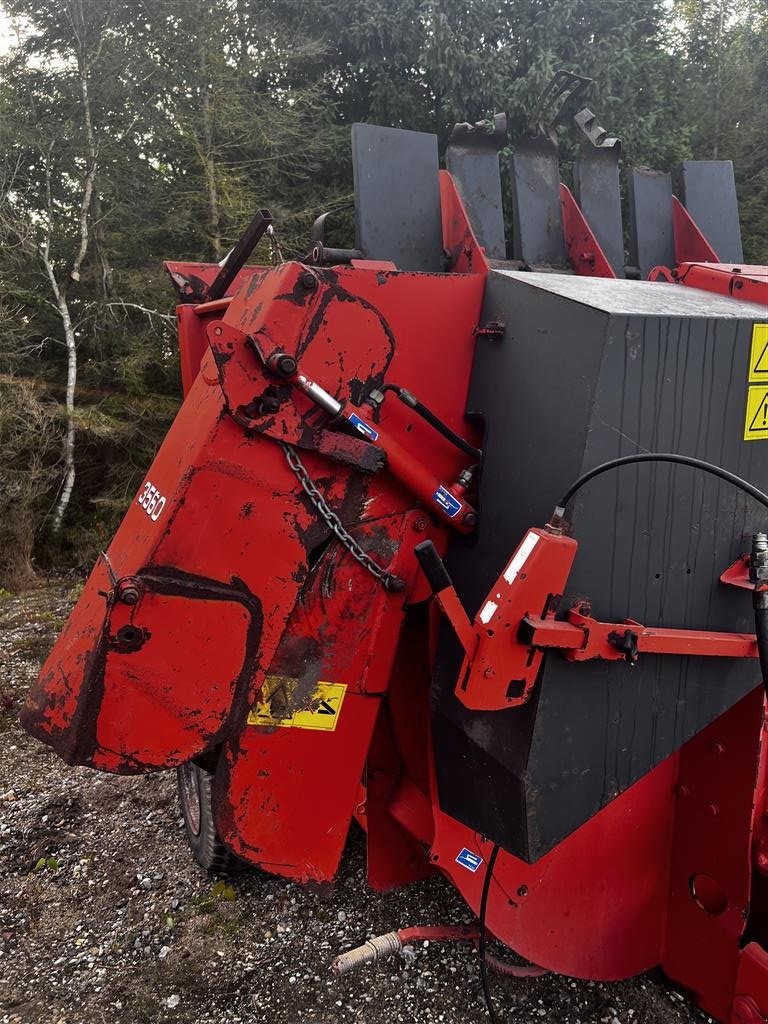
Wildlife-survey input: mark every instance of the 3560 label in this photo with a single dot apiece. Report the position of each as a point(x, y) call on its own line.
point(152, 501)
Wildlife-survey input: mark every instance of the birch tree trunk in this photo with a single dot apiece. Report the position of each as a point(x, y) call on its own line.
point(60, 290)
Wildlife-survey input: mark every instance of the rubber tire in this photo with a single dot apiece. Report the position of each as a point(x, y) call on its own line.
point(194, 782)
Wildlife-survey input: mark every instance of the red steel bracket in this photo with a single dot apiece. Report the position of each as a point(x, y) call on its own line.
point(505, 644)
point(584, 638)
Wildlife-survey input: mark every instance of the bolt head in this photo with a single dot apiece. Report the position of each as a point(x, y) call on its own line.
point(286, 365)
point(128, 594)
point(308, 281)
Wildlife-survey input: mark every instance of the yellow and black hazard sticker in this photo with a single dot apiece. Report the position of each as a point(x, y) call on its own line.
point(756, 418)
point(756, 412)
point(278, 705)
point(758, 355)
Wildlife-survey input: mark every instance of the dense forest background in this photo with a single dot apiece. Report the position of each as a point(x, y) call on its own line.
point(137, 130)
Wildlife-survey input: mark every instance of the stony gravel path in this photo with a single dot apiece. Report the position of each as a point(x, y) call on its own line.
point(105, 918)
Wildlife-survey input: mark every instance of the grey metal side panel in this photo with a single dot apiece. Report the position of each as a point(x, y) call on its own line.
point(538, 217)
point(568, 387)
point(478, 179)
point(397, 196)
point(709, 195)
point(650, 210)
point(596, 182)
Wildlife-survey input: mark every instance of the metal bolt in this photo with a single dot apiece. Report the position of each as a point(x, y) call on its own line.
point(488, 673)
point(128, 594)
point(713, 810)
point(285, 365)
point(522, 890)
point(718, 748)
point(308, 281)
point(420, 525)
point(217, 331)
point(682, 791)
point(470, 520)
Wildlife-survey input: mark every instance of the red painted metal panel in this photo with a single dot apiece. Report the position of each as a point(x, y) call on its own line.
point(750, 1003)
point(582, 247)
point(593, 907)
point(690, 243)
point(270, 777)
point(711, 868)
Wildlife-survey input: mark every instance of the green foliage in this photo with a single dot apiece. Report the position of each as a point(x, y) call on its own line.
point(47, 864)
point(201, 112)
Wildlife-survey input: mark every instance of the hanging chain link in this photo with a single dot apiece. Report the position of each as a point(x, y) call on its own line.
point(388, 579)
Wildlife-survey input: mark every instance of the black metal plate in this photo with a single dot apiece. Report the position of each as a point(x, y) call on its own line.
point(478, 179)
point(652, 241)
point(538, 217)
point(397, 196)
point(596, 184)
point(709, 192)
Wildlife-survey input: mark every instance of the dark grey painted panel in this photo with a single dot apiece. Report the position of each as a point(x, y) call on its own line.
point(568, 387)
point(397, 196)
point(478, 179)
point(596, 183)
point(650, 211)
point(538, 217)
point(709, 195)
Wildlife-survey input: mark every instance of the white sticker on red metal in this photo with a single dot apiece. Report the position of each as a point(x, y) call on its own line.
point(486, 612)
point(521, 556)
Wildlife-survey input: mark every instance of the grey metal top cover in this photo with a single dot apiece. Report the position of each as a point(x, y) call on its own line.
point(638, 298)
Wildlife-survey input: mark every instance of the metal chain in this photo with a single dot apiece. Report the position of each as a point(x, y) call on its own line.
point(388, 579)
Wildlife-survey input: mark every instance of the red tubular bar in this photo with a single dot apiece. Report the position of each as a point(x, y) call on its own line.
point(587, 638)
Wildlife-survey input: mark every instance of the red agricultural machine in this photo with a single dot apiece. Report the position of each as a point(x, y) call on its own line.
point(471, 550)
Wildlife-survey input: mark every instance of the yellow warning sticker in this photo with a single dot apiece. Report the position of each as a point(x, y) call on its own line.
point(278, 704)
point(756, 419)
point(758, 355)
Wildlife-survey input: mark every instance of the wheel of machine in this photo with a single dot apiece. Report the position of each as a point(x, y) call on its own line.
point(194, 786)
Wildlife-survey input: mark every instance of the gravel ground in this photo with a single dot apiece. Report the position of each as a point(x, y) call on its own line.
point(105, 917)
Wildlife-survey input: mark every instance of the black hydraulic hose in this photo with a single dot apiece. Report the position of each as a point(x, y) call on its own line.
point(412, 402)
point(481, 943)
point(684, 460)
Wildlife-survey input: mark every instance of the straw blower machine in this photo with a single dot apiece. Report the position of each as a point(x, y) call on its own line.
point(472, 550)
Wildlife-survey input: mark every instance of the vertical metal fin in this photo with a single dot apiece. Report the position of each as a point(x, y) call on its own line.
point(397, 196)
point(596, 184)
point(709, 194)
point(538, 220)
point(472, 157)
point(650, 211)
